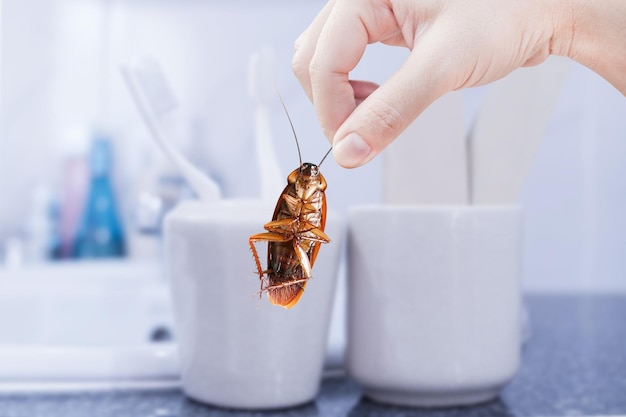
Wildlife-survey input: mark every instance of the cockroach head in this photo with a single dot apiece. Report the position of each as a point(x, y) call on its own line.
point(310, 170)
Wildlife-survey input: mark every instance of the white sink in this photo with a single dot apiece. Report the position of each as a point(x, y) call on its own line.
point(85, 325)
point(91, 326)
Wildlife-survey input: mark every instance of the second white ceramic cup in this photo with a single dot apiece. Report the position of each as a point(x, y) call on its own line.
point(434, 302)
point(236, 351)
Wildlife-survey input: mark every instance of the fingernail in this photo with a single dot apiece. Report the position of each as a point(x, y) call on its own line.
point(351, 151)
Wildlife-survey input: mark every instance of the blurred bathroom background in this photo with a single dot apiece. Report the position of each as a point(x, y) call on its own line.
point(69, 131)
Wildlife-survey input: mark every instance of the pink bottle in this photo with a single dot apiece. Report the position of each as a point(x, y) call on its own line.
point(74, 178)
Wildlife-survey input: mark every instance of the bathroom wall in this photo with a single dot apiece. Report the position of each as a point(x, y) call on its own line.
point(576, 191)
point(60, 70)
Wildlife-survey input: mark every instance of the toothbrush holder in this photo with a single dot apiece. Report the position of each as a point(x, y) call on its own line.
point(434, 302)
point(235, 349)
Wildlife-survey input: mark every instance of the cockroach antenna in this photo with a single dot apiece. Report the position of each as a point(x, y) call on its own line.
point(327, 152)
point(292, 128)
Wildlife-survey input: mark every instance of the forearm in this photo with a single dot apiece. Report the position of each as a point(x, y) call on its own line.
point(593, 33)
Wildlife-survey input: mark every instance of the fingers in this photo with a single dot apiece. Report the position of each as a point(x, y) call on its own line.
point(331, 47)
point(341, 44)
point(305, 47)
point(325, 53)
point(362, 89)
point(388, 110)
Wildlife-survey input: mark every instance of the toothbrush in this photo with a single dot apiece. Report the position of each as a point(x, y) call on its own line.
point(261, 69)
point(154, 99)
point(508, 129)
point(431, 151)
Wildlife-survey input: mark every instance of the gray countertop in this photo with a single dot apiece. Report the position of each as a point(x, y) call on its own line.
point(573, 365)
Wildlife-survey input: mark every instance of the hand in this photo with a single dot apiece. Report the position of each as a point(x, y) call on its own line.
point(454, 44)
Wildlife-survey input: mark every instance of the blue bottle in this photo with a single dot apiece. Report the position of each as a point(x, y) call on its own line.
point(100, 233)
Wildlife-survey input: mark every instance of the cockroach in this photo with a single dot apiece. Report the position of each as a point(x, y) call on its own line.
point(295, 233)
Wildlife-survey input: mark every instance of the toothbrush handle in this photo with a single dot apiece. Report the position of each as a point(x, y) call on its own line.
point(206, 189)
point(271, 178)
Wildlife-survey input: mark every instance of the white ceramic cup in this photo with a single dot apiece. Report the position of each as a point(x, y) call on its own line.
point(434, 302)
point(235, 350)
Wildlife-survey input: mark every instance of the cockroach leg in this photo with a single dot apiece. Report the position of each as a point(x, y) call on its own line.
point(284, 225)
point(304, 259)
point(264, 237)
point(319, 235)
point(285, 284)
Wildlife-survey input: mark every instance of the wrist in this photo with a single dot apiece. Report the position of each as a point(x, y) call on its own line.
point(593, 33)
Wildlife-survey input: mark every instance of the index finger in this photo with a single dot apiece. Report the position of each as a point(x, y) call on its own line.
point(305, 48)
point(339, 49)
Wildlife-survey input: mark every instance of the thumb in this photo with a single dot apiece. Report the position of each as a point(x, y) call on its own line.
point(391, 108)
